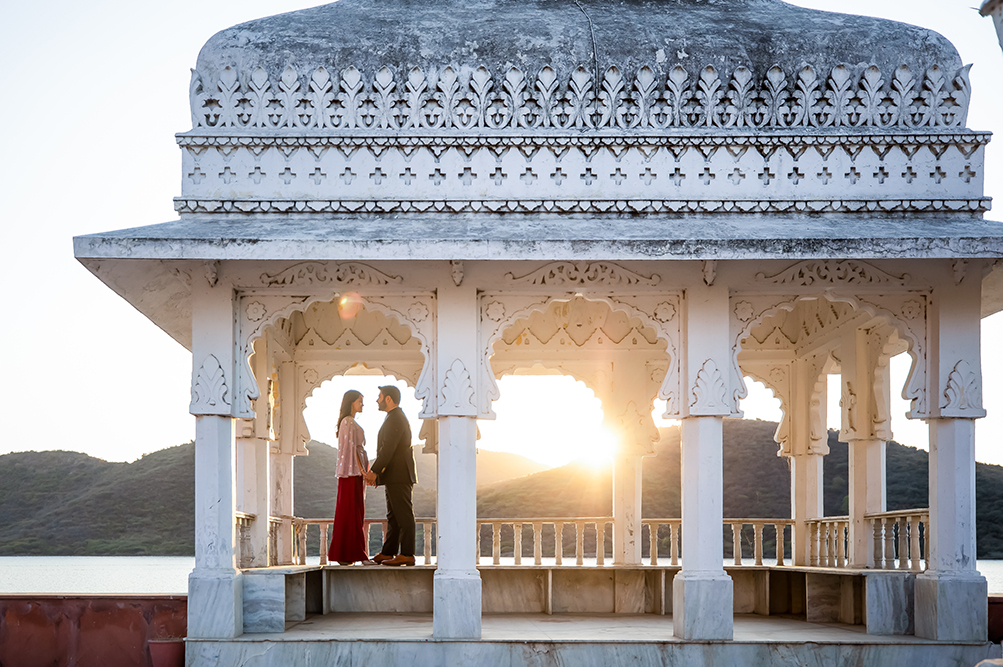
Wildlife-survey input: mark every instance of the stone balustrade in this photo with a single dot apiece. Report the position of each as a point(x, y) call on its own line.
point(897, 536)
point(898, 539)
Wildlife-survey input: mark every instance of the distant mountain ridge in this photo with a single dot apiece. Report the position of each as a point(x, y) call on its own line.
point(67, 503)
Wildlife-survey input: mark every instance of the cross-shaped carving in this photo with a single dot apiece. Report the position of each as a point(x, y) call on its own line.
point(706, 176)
point(766, 175)
point(287, 175)
point(197, 175)
point(909, 174)
point(256, 175)
point(881, 174)
point(498, 176)
point(677, 177)
point(618, 176)
point(648, 176)
point(437, 176)
point(853, 175)
point(407, 176)
point(377, 176)
point(467, 176)
point(528, 177)
point(347, 177)
point(796, 175)
point(227, 175)
point(967, 175)
point(317, 176)
point(736, 176)
point(938, 175)
point(558, 176)
point(825, 176)
point(589, 176)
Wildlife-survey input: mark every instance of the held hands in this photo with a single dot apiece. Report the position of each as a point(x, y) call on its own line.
point(370, 477)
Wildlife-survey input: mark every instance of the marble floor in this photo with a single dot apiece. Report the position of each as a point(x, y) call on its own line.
point(572, 628)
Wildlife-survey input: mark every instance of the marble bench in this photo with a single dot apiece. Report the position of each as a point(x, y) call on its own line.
point(274, 596)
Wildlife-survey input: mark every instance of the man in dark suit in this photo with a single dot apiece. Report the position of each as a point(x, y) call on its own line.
point(394, 470)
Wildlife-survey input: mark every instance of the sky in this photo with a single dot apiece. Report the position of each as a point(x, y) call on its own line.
point(93, 93)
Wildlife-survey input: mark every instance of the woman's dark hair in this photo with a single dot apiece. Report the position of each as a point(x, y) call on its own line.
point(351, 396)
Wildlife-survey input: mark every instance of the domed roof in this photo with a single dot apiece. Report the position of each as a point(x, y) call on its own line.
point(529, 34)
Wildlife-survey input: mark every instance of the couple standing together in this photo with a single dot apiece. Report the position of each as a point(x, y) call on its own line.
point(393, 469)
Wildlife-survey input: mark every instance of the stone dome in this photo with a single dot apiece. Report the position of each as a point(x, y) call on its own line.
point(529, 34)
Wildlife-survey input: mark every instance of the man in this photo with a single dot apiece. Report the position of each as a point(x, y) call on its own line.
point(394, 470)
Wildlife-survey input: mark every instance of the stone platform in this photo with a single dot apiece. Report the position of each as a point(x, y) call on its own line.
point(577, 639)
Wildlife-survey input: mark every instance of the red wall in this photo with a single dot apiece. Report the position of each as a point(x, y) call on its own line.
point(81, 631)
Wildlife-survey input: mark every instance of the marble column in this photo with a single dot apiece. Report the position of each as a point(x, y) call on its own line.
point(702, 592)
point(457, 584)
point(627, 509)
point(214, 586)
point(456, 601)
point(809, 444)
point(951, 595)
point(806, 502)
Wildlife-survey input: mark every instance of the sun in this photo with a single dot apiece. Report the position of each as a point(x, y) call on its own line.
point(597, 451)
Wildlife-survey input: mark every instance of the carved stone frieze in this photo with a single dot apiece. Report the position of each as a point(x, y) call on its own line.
point(321, 273)
point(457, 394)
point(962, 396)
point(583, 274)
point(210, 393)
point(709, 394)
point(851, 272)
point(463, 98)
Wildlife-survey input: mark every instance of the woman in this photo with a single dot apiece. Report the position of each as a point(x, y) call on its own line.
point(348, 539)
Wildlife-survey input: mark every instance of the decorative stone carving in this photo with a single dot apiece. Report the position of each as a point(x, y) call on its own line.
point(319, 273)
point(583, 274)
point(709, 393)
point(456, 271)
point(665, 312)
point(963, 393)
point(212, 272)
point(833, 272)
point(744, 311)
point(255, 311)
point(463, 98)
point(210, 393)
point(495, 311)
point(457, 396)
point(709, 271)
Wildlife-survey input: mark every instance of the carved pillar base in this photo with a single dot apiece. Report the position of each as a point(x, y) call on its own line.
point(702, 606)
point(215, 604)
point(952, 606)
point(627, 510)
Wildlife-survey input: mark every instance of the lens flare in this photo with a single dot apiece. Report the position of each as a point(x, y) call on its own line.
point(349, 305)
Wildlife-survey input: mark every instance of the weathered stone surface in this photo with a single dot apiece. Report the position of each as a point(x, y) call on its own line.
point(529, 34)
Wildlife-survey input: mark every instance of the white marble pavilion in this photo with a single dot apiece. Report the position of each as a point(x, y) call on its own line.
point(656, 198)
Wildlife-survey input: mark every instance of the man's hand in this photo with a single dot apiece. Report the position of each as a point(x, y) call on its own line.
point(370, 477)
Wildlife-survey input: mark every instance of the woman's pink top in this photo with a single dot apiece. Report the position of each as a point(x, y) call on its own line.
point(351, 441)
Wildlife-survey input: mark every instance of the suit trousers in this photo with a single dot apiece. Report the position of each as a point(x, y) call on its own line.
point(400, 521)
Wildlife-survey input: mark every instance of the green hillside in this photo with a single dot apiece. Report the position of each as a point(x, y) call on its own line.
point(66, 503)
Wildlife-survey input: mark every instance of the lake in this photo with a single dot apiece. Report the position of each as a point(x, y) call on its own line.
point(149, 575)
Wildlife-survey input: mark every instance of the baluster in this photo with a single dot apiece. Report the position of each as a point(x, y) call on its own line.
point(780, 543)
point(757, 529)
point(537, 543)
point(558, 542)
point(675, 534)
point(517, 542)
point(812, 543)
point(889, 529)
point(579, 542)
point(926, 541)
point(914, 563)
point(495, 543)
point(653, 542)
point(600, 542)
point(902, 542)
point(876, 539)
point(323, 544)
point(426, 536)
point(841, 544)
point(736, 542)
point(301, 544)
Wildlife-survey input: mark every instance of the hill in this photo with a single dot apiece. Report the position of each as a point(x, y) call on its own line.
point(67, 503)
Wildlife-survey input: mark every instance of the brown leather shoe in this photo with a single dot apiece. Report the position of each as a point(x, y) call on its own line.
point(379, 558)
point(398, 560)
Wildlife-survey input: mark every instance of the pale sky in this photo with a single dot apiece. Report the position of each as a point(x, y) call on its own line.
point(93, 94)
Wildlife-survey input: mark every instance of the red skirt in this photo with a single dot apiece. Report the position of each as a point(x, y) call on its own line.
point(348, 539)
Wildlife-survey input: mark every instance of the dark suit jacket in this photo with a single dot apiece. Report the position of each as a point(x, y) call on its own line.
point(394, 462)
